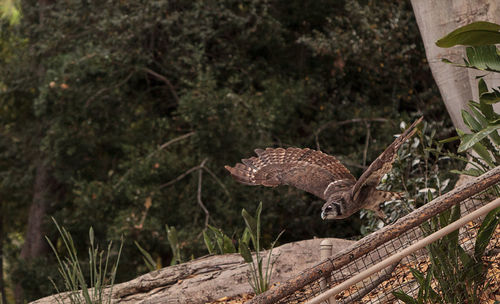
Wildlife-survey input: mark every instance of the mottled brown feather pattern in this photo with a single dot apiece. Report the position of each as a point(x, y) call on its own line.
point(383, 163)
point(322, 175)
point(305, 169)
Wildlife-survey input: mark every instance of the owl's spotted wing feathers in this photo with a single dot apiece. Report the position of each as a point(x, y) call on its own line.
point(383, 163)
point(305, 169)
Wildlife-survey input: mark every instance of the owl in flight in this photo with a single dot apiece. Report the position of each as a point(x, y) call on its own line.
point(324, 176)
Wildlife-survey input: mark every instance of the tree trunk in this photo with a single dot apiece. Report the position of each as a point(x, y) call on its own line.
point(34, 241)
point(2, 284)
point(44, 188)
point(211, 277)
point(35, 244)
point(435, 19)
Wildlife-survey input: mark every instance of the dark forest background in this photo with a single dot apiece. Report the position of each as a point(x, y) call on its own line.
point(92, 93)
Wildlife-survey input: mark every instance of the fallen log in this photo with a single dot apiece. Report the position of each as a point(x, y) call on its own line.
point(210, 277)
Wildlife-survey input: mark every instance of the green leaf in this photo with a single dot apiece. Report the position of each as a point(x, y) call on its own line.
point(251, 225)
point(208, 242)
point(174, 245)
point(478, 110)
point(485, 232)
point(450, 139)
point(245, 252)
point(482, 87)
point(404, 297)
point(245, 238)
point(477, 33)
point(483, 153)
point(228, 246)
point(419, 276)
point(148, 259)
point(483, 58)
point(471, 122)
point(464, 257)
point(470, 172)
point(469, 140)
point(490, 97)
point(452, 237)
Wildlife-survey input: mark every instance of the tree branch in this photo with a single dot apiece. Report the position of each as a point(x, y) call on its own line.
point(93, 97)
point(178, 178)
point(367, 142)
point(334, 124)
point(162, 147)
point(198, 197)
point(165, 80)
point(218, 181)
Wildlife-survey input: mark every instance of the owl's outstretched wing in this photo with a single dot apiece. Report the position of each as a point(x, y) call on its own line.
point(383, 163)
point(305, 169)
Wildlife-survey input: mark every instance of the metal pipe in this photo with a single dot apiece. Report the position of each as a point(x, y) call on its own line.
point(407, 251)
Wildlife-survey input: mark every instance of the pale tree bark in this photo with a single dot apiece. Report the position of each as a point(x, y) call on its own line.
point(435, 19)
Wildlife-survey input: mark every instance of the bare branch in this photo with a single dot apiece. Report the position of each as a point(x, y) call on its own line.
point(168, 143)
point(165, 80)
point(178, 178)
point(201, 167)
point(334, 124)
point(101, 91)
point(163, 146)
point(198, 197)
point(218, 181)
point(367, 142)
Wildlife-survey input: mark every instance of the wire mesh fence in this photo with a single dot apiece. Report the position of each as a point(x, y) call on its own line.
point(404, 276)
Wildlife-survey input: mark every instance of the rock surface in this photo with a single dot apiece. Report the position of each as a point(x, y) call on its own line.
point(211, 277)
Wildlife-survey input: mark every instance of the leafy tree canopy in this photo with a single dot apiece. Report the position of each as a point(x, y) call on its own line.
point(96, 90)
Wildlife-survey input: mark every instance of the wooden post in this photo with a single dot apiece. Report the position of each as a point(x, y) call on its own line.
point(325, 251)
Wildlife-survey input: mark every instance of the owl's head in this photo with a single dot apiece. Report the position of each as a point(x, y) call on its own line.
point(335, 208)
point(331, 211)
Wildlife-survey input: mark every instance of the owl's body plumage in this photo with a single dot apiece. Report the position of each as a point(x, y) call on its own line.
point(322, 175)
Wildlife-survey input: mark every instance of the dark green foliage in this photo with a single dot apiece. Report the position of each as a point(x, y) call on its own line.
point(148, 259)
point(173, 240)
point(460, 274)
point(481, 119)
point(475, 34)
point(93, 91)
point(419, 172)
point(217, 242)
point(102, 273)
point(260, 267)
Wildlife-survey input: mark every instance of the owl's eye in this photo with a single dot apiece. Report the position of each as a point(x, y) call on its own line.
point(337, 208)
point(330, 207)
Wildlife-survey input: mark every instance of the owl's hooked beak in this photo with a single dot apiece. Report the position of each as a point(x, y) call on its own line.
point(323, 215)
